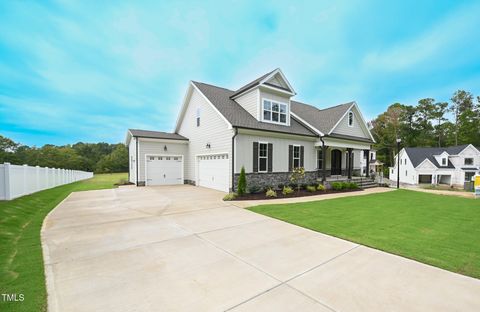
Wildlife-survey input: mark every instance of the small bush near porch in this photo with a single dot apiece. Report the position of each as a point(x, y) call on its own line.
point(440, 230)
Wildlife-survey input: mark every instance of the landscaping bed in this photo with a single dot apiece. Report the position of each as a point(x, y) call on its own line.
point(301, 193)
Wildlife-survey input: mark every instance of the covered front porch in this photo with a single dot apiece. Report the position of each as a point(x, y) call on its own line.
point(342, 159)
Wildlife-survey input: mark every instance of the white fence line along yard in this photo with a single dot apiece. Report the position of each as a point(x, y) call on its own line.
point(16, 181)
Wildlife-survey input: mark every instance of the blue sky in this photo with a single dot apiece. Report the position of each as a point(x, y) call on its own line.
point(87, 71)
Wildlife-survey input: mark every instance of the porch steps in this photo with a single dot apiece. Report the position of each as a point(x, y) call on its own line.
point(362, 183)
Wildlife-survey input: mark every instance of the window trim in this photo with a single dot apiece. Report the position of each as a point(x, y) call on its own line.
point(465, 161)
point(198, 116)
point(350, 113)
point(287, 112)
point(293, 155)
point(266, 157)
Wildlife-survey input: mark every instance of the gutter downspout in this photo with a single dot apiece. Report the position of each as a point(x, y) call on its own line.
point(136, 160)
point(233, 158)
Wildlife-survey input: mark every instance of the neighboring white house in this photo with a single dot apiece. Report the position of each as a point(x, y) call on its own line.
point(374, 164)
point(437, 165)
point(260, 127)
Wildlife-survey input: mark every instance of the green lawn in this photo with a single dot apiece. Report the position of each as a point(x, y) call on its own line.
point(440, 230)
point(21, 263)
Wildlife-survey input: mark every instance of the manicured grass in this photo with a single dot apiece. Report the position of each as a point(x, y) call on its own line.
point(440, 230)
point(21, 262)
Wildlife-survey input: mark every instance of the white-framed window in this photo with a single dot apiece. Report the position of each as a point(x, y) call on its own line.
point(274, 111)
point(319, 159)
point(198, 117)
point(406, 172)
point(468, 161)
point(444, 161)
point(350, 119)
point(296, 156)
point(262, 157)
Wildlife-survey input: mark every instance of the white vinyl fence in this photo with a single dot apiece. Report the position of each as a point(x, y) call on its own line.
point(16, 181)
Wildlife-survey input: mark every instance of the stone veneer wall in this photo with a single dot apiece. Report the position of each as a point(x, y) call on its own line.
point(273, 179)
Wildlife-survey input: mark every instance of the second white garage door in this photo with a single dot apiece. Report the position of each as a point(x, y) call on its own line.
point(164, 170)
point(213, 171)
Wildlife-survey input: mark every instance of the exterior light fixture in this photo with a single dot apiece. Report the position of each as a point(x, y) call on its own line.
point(208, 145)
point(165, 148)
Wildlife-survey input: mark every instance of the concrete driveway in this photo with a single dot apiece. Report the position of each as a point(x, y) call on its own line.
point(182, 249)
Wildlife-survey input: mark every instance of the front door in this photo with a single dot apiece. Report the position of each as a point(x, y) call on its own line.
point(336, 160)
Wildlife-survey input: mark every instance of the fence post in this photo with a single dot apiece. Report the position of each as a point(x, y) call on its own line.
point(8, 195)
point(37, 173)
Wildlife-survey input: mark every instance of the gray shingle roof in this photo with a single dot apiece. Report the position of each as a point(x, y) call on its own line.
point(322, 119)
point(239, 117)
point(156, 134)
point(251, 84)
point(418, 154)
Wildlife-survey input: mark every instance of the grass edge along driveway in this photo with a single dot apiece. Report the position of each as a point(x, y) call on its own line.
point(440, 230)
point(21, 259)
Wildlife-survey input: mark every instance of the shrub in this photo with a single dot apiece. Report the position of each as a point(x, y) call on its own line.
point(287, 190)
point(271, 193)
point(280, 186)
point(297, 175)
point(337, 186)
point(321, 187)
point(230, 196)
point(253, 189)
point(304, 186)
point(353, 186)
point(311, 188)
point(242, 183)
point(345, 185)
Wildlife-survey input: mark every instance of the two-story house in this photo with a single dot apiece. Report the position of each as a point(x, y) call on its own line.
point(437, 165)
point(258, 126)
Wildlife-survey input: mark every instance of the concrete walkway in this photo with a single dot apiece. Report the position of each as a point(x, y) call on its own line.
point(183, 249)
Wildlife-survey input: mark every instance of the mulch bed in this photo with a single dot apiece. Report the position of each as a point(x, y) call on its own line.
point(301, 193)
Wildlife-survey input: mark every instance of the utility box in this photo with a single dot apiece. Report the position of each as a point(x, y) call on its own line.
point(476, 185)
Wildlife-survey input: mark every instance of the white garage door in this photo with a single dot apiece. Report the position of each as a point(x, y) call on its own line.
point(213, 171)
point(164, 170)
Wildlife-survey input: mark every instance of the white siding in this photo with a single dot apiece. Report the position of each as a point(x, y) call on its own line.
point(249, 101)
point(358, 129)
point(244, 152)
point(132, 161)
point(277, 80)
point(213, 129)
point(408, 174)
point(149, 146)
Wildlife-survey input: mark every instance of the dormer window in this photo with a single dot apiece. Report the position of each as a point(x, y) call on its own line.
point(444, 161)
point(274, 112)
point(468, 162)
point(350, 119)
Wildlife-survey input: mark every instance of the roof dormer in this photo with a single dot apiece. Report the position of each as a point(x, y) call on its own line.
point(267, 98)
point(442, 159)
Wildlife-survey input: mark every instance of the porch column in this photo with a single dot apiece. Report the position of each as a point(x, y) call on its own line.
point(350, 164)
point(367, 172)
point(324, 163)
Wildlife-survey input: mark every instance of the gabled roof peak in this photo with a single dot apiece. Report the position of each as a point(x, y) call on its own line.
point(263, 80)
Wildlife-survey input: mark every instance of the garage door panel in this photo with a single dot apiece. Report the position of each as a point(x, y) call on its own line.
point(213, 172)
point(424, 178)
point(164, 170)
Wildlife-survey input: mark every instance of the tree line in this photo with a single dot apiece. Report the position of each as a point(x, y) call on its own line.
point(96, 157)
point(427, 124)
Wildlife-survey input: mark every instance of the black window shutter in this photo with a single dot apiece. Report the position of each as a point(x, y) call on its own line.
point(255, 157)
point(270, 157)
point(290, 157)
point(302, 152)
